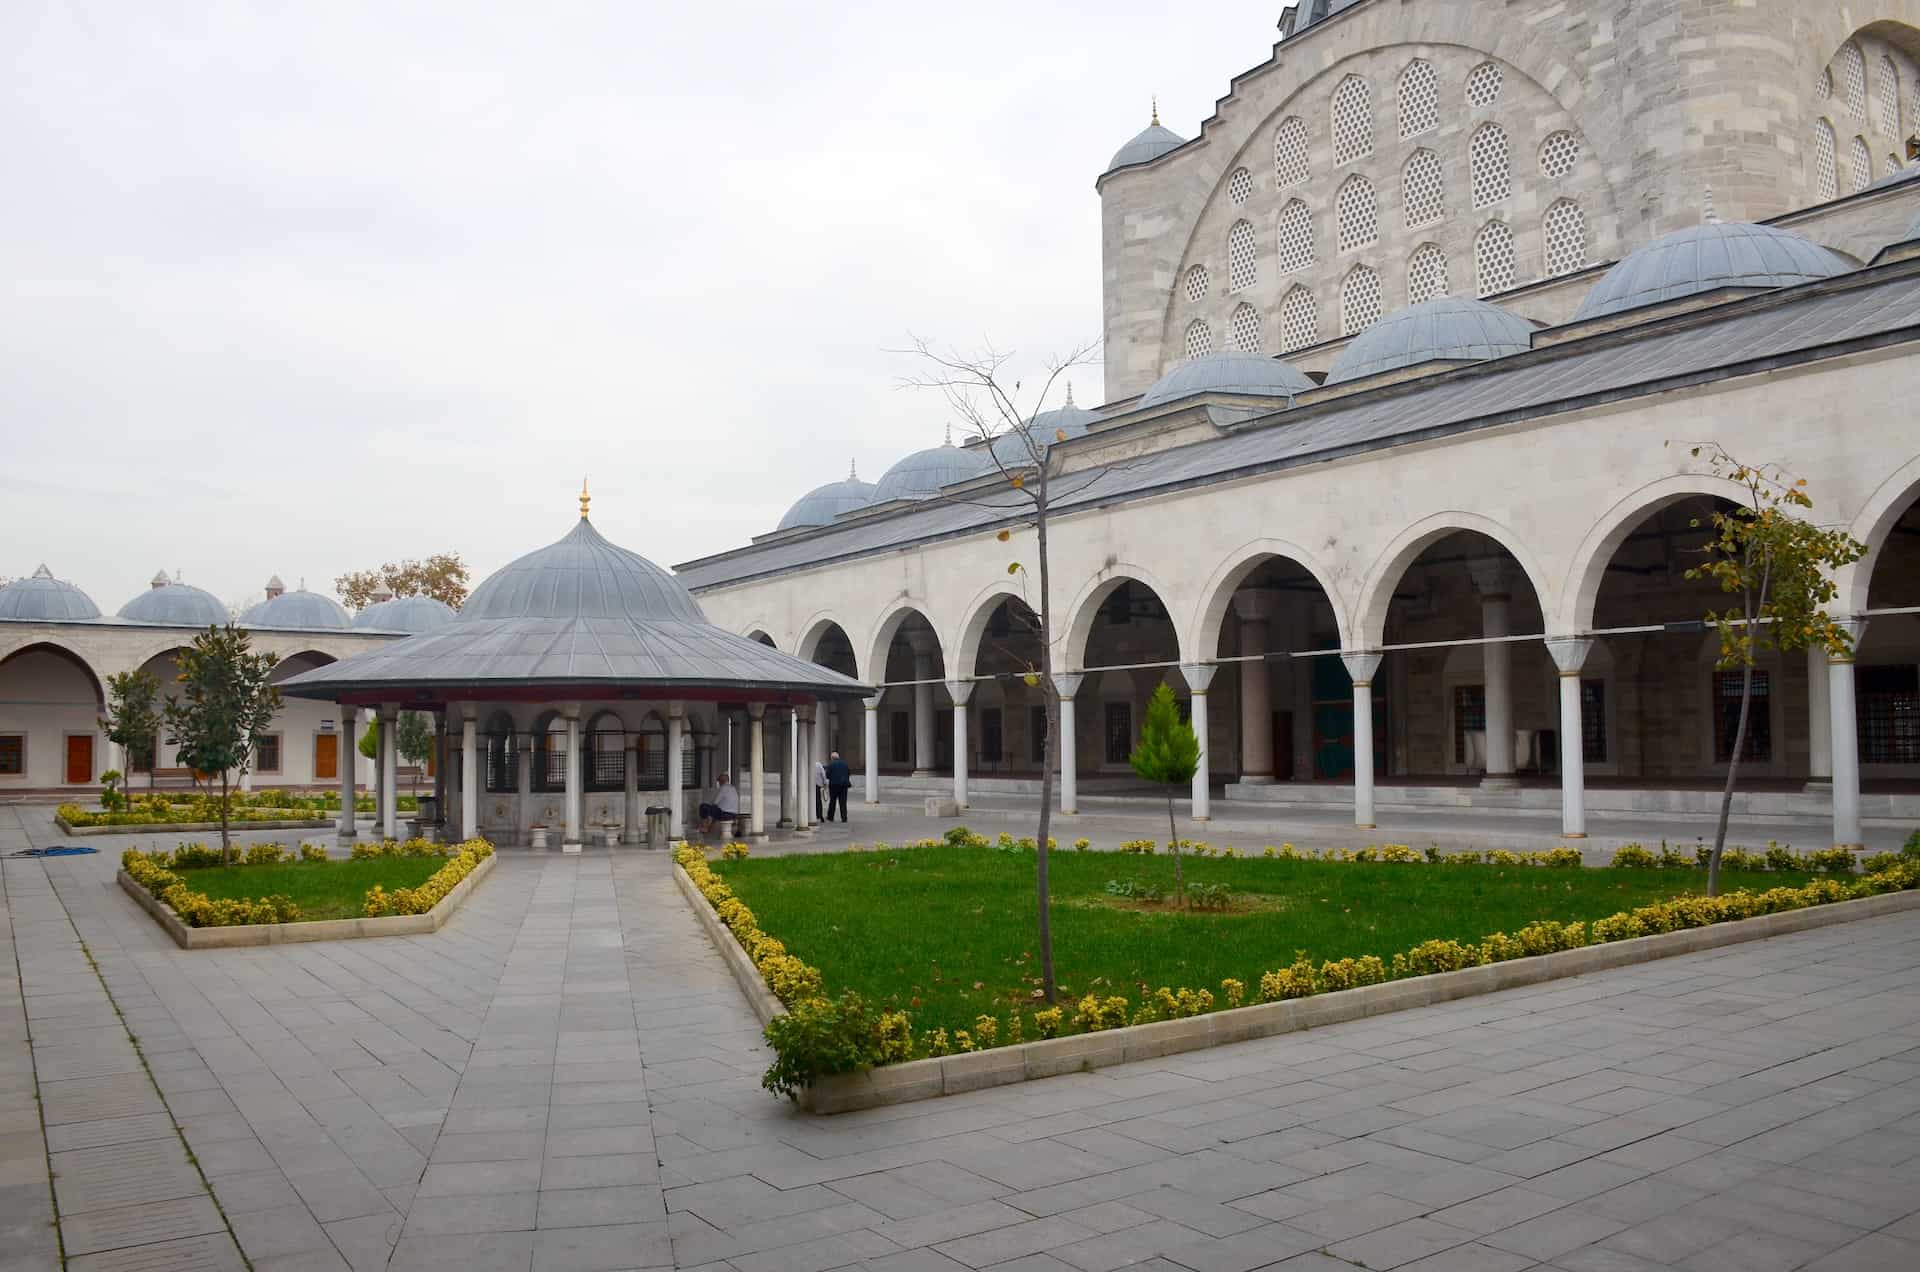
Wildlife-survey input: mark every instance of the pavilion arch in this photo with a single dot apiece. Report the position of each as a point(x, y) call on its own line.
point(1370, 623)
point(815, 629)
point(1873, 526)
point(881, 638)
point(1094, 594)
point(1587, 569)
point(308, 658)
point(1217, 595)
point(761, 634)
point(973, 625)
point(67, 654)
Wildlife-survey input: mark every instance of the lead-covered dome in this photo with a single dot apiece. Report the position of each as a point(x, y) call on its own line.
point(581, 576)
point(299, 610)
point(176, 605)
point(1048, 427)
point(1706, 258)
point(42, 598)
point(1447, 328)
point(819, 506)
point(1242, 374)
point(922, 474)
point(1148, 144)
point(409, 614)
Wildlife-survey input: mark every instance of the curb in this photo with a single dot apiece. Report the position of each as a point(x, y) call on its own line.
point(147, 828)
point(745, 974)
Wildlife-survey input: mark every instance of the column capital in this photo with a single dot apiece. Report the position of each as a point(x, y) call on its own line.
point(756, 710)
point(1198, 675)
point(1855, 627)
point(469, 711)
point(1492, 577)
point(676, 710)
point(1253, 607)
point(630, 742)
point(1068, 684)
point(873, 703)
point(1362, 666)
point(960, 691)
point(389, 711)
point(1569, 653)
point(805, 713)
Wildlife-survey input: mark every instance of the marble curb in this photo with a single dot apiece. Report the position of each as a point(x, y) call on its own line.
point(148, 828)
point(217, 938)
point(1001, 1066)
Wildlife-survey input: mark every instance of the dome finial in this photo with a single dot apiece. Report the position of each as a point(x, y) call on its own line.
point(585, 499)
point(1156, 110)
point(949, 440)
point(1707, 215)
point(853, 471)
point(43, 572)
point(1069, 394)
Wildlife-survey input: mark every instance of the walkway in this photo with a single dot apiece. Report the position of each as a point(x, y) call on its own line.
point(566, 1078)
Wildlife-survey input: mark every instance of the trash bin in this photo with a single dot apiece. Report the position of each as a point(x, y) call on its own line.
point(659, 825)
point(429, 810)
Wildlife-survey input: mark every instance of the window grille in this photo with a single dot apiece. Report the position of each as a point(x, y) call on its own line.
point(1352, 120)
point(13, 754)
point(1037, 734)
point(1726, 717)
point(1244, 330)
point(1492, 172)
point(1593, 722)
point(1423, 190)
point(1859, 163)
point(1199, 338)
point(1564, 230)
point(550, 763)
point(1853, 73)
point(1296, 237)
point(1493, 258)
point(1119, 732)
point(1826, 184)
point(1419, 99)
point(1357, 213)
point(1823, 87)
point(266, 753)
point(1299, 320)
point(1360, 299)
point(503, 762)
point(1483, 84)
point(1558, 153)
point(1197, 283)
point(1426, 274)
point(1290, 163)
point(1240, 185)
point(1469, 716)
point(1888, 714)
point(1888, 86)
point(1241, 271)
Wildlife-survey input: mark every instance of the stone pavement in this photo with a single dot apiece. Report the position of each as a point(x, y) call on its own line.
point(565, 1077)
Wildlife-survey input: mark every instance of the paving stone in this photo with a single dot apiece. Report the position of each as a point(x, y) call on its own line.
point(1402, 1243)
point(117, 1175)
point(604, 1249)
point(214, 1252)
point(595, 1207)
point(113, 1229)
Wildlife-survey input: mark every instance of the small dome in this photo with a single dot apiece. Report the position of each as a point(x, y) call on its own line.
point(922, 474)
point(582, 576)
point(819, 506)
point(1706, 258)
point(1148, 144)
point(176, 605)
point(1447, 328)
point(43, 598)
point(1245, 374)
point(410, 614)
point(299, 611)
point(1072, 420)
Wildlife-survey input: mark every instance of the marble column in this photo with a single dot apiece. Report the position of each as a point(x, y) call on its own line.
point(349, 754)
point(1362, 667)
point(872, 741)
point(523, 781)
point(1494, 579)
point(1199, 676)
point(1845, 740)
point(1069, 743)
point(789, 772)
point(1256, 689)
point(820, 747)
point(960, 690)
point(676, 744)
point(803, 767)
point(1570, 655)
point(756, 755)
point(389, 795)
point(631, 824)
point(1819, 725)
point(922, 712)
point(570, 841)
point(469, 777)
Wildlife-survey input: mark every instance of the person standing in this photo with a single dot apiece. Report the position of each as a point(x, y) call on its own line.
point(819, 791)
point(839, 779)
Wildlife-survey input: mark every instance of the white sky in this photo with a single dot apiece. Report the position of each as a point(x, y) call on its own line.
point(297, 287)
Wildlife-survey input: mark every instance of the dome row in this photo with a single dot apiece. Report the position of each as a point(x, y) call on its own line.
point(43, 598)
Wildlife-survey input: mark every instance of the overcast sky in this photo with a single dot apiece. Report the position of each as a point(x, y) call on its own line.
point(301, 287)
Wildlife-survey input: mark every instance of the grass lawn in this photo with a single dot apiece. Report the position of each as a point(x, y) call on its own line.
point(948, 933)
point(336, 890)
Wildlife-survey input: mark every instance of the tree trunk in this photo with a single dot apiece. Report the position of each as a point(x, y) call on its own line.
point(226, 847)
point(1173, 846)
point(1051, 695)
point(1726, 795)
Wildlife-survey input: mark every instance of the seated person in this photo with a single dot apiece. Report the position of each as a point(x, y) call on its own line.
point(725, 806)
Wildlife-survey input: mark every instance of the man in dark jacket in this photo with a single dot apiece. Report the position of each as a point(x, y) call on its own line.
point(839, 778)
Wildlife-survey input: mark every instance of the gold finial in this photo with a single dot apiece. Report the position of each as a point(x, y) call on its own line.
point(585, 499)
point(1156, 110)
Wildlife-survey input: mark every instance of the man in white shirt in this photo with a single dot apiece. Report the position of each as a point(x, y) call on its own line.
point(819, 791)
point(725, 806)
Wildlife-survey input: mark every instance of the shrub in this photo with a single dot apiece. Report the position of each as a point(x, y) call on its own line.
point(1235, 992)
point(1634, 857)
point(1835, 860)
point(1435, 956)
point(1082, 844)
point(821, 1036)
point(734, 852)
point(313, 853)
point(265, 855)
point(1209, 896)
point(422, 898)
point(961, 837)
point(1095, 1013)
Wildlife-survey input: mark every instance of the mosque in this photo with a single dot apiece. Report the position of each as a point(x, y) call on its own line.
point(1405, 355)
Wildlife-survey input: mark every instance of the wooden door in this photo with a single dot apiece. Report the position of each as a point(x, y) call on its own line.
point(79, 758)
point(326, 757)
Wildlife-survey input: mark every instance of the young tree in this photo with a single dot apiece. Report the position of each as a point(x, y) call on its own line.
point(227, 701)
point(1777, 564)
point(443, 576)
point(1168, 753)
point(414, 741)
point(133, 715)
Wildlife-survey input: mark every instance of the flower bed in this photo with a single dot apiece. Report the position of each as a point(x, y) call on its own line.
point(199, 810)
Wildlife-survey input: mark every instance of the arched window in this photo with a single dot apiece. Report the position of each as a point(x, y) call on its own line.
point(1826, 183)
point(550, 753)
point(1241, 270)
point(1564, 231)
point(1296, 237)
point(1558, 153)
point(1493, 258)
point(1357, 213)
point(1853, 75)
point(1423, 189)
point(1360, 298)
point(1290, 166)
point(1492, 173)
point(650, 755)
point(1197, 283)
point(502, 760)
point(1199, 338)
point(1352, 120)
point(1483, 84)
point(1419, 99)
point(1859, 164)
point(1240, 186)
point(606, 756)
point(1823, 87)
point(1299, 320)
point(1887, 88)
point(1244, 330)
point(1426, 273)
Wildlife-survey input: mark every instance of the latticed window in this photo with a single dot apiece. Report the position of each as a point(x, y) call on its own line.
point(1296, 237)
point(1859, 163)
point(1469, 716)
point(1240, 185)
point(1197, 283)
point(1360, 300)
point(1888, 714)
point(1423, 189)
point(1853, 75)
point(1357, 211)
point(1426, 273)
point(1419, 99)
point(502, 760)
point(1199, 338)
point(1823, 87)
point(1492, 171)
point(1887, 88)
point(1352, 120)
point(1299, 320)
point(1244, 330)
point(1558, 153)
point(1493, 257)
point(1241, 272)
point(1564, 230)
point(1593, 721)
point(1483, 84)
point(1290, 166)
point(1826, 183)
point(606, 760)
point(1726, 716)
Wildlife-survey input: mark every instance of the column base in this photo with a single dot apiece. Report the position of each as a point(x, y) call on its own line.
point(1200, 817)
point(1365, 826)
point(570, 847)
point(923, 773)
point(1818, 786)
point(1573, 834)
point(1852, 847)
point(1257, 779)
point(1500, 782)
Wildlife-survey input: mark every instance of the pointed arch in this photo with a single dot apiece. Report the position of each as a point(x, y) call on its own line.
point(1376, 594)
point(1093, 593)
